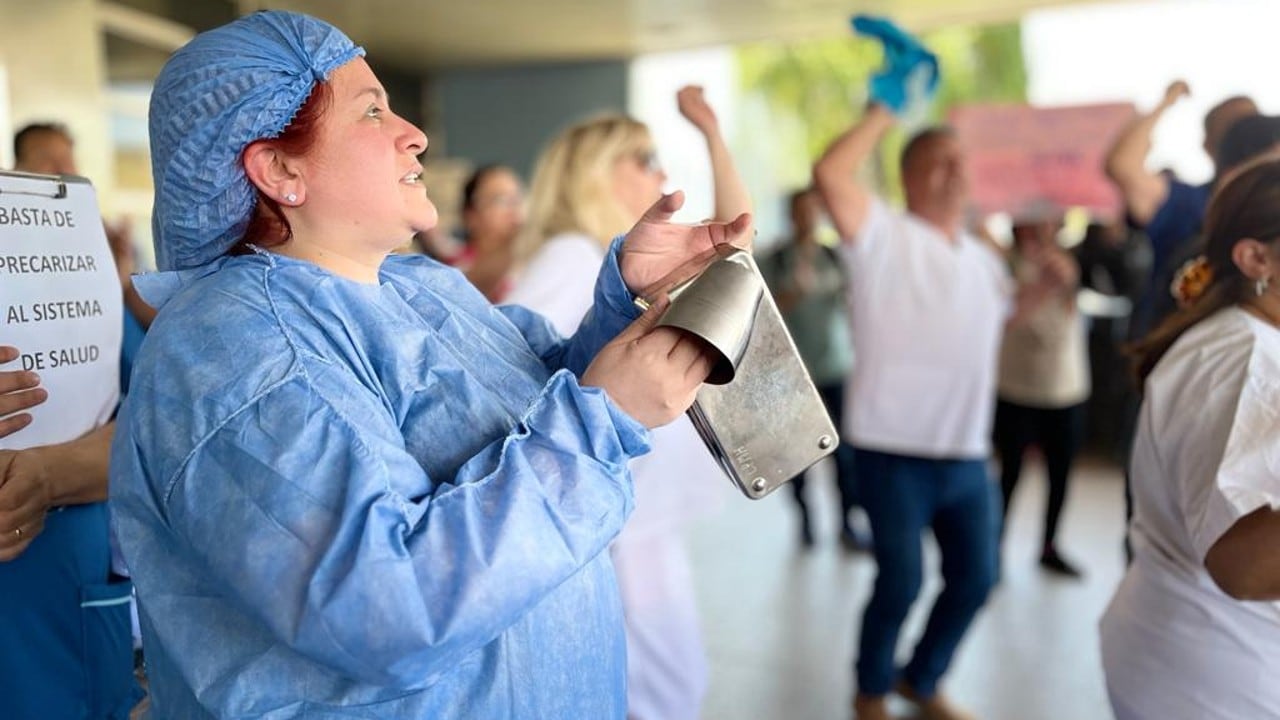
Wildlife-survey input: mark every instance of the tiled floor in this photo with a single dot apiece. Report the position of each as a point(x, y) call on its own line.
point(780, 623)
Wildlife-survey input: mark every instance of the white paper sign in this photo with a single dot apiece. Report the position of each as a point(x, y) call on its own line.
point(60, 304)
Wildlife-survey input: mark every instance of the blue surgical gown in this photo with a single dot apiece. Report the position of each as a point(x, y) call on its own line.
point(375, 501)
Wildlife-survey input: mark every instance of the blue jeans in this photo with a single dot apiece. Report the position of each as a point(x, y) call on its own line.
point(902, 496)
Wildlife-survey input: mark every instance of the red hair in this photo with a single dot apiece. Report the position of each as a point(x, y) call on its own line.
point(268, 226)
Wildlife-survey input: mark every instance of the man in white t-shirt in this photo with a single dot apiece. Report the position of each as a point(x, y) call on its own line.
point(928, 303)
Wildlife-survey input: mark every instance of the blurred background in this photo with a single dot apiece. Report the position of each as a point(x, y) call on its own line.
point(490, 81)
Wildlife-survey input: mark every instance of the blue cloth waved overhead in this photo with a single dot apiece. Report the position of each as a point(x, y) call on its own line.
point(375, 501)
point(226, 88)
point(909, 76)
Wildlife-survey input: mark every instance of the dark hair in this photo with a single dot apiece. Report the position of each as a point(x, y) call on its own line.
point(21, 137)
point(1246, 138)
point(268, 226)
point(922, 139)
point(1216, 112)
point(473, 183)
point(1099, 232)
point(796, 195)
point(1247, 206)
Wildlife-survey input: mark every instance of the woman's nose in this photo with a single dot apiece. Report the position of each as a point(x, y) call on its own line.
point(413, 140)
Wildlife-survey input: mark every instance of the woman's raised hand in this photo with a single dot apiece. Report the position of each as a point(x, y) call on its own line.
point(694, 107)
point(656, 246)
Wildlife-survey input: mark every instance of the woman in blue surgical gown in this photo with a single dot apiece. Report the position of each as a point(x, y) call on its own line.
point(346, 485)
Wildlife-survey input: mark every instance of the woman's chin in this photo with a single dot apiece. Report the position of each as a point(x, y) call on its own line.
point(426, 220)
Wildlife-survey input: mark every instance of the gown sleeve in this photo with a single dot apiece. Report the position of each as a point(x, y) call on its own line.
point(297, 509)
point(612, 311)
point(1248, 478)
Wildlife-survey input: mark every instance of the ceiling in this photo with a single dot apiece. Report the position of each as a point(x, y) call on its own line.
point(418, 36)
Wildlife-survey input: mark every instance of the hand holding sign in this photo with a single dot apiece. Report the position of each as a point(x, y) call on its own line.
point(18, 392)
point(1020, 156)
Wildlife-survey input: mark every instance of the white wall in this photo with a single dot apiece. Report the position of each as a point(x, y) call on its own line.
point(54, 61)
point(1131, 51)
point(754, 133)
point(654, 80)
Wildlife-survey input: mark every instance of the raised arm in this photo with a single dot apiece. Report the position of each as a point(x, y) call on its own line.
point(835, 174)
point(1126, 164)
point(121, 242)
point(731, 196)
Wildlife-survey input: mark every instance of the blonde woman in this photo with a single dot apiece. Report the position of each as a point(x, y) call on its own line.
point(593, 182)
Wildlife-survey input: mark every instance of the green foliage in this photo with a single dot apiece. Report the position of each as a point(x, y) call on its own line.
point(979, 64)
point(815, 90)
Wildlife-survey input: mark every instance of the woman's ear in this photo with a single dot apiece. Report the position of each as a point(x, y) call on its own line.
point(269, 171)
point(1255, 259)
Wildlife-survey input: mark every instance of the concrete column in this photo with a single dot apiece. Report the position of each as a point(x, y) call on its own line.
point(53, 64)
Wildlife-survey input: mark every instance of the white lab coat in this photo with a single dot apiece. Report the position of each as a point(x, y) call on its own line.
point(1207, 452)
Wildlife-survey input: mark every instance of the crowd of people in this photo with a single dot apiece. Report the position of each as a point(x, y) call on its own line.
point(347, 481)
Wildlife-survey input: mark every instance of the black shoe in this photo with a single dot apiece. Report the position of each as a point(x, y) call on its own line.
point(806, 534)
point(1054, 563)
point(854, 541)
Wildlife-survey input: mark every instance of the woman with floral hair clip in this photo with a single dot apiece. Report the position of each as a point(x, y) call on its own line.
point(1191, 281)
point(1194, 629)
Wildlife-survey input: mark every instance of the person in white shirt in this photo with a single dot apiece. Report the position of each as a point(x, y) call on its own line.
point(1194, 629)
point(928, 303)
point(592, 182)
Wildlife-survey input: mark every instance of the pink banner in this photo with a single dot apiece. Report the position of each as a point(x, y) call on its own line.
point(1021, 157)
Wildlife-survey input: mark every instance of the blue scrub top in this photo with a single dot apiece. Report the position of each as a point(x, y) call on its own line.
point(66, 650)
point(1176, 223)
point(66, 643)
